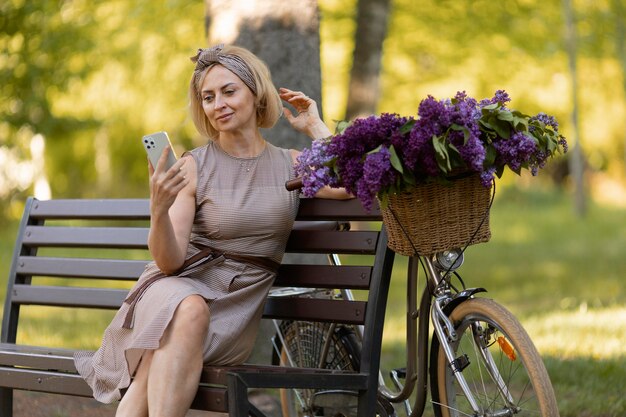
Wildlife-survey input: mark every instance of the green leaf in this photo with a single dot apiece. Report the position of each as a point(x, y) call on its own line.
point(466, 135)
point(520, 120)
point(408, 178)
point(395, 160)
point(375, 150)
point(331, 163)
point(406, 128)
point(341, 126)
point(484, 123)
point(384, 200)
point(466, 132)
point(490, 156)
point(441, 153)
point(551, 145)
point(503, 129)
point(505, 115)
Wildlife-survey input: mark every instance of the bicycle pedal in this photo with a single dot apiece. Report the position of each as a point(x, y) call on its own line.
point(460, 363)
point(398, 372)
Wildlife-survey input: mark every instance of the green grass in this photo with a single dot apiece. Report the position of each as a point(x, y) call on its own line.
point(563, 276)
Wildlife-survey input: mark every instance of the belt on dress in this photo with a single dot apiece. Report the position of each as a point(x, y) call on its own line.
point(204, 255)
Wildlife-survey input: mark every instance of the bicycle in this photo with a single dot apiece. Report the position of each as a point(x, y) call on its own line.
point(481, 361)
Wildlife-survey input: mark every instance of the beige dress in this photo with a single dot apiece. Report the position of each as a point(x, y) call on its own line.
point(242, 207)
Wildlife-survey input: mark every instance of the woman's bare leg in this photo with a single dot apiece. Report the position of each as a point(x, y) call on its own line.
point(176, 365)
point(135, 401)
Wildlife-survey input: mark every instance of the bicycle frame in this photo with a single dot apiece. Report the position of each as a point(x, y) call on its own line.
point(436, 302)
point(416, 347)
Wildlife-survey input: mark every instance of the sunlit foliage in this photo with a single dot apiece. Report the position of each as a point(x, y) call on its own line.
point(91, 77)
point(439, 47)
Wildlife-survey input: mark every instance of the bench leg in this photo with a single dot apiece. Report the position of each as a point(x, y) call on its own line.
point(238, 404)
point(367, 405)
point(6, 402)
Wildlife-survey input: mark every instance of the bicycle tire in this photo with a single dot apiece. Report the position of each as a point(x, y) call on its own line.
point(303, 346)
point(515, 356)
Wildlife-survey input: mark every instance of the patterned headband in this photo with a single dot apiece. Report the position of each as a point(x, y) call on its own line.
point(211, 56)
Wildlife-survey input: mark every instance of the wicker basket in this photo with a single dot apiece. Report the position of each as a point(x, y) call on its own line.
point(438, 217)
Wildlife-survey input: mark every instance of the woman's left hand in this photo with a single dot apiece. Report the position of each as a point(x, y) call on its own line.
point(307, 120)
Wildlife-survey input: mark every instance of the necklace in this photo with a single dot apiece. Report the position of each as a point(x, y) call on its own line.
point(246, 164)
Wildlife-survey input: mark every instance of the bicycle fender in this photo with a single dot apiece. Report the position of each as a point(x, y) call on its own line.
point(460, 297)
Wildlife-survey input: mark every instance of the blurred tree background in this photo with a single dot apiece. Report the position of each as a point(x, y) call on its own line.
point(82, 80)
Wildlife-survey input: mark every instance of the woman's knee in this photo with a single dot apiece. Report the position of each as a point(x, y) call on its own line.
point(193, 311)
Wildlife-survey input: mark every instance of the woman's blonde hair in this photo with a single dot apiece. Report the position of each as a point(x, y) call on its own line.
point(267, 101)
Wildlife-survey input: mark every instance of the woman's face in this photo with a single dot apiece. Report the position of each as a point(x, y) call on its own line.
point(227, 102)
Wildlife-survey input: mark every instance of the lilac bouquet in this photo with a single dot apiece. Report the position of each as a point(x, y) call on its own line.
point(382, 155)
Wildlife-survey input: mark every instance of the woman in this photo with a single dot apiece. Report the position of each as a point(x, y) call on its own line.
point(220, 218)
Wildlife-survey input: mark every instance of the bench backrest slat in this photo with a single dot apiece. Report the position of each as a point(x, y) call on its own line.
point(139, 209)
point(316, 309)
point(80, 268)
point(358, 242)
point(324, 276)
point(87, 237)
point(320, 209)
point(118, 209)
point(68, 296)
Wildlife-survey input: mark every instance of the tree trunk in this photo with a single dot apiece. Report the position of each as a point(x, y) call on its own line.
point(576, 159)
point(283, 34)
point(371, 30)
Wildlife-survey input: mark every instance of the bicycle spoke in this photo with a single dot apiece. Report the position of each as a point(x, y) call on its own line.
point(474, 328)
point(451, 408)
point(500, 371)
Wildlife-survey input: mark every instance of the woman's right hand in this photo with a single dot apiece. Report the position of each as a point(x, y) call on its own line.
point(166, 184)
point(172, 210)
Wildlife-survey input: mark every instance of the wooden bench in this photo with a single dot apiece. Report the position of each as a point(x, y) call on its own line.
point(58, 239)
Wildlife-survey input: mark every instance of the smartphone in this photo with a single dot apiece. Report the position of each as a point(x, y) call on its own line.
point(154, 144)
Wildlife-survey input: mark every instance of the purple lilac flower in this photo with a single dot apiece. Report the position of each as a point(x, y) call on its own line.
point(500, 96)
point(550, 127)
point(312, 167)
point(464, 114)
point(515, 151)
point(473, 152)
point(435, 120)
point(361, 137)
point(315, 180)
point(377, 174)
point(538, 161)
point(419, 153)
point(450, 134)
point(486, 177)
point(563, 144)
point(546, 120)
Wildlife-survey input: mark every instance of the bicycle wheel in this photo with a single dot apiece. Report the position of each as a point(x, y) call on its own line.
point(318, 345)
point(488, 333)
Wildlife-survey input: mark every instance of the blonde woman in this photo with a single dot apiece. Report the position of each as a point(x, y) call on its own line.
point(220, 218)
